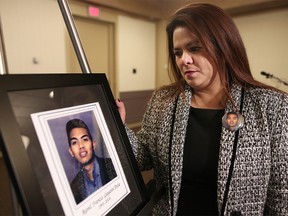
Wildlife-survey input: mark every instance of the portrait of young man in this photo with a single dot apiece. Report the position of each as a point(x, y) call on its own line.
point(95, 172)
point(232, 120)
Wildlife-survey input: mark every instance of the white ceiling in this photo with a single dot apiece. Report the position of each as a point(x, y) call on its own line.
point(161, 9)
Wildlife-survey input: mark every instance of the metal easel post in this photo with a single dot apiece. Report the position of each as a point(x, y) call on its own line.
point(69, 21)
point(3, 63)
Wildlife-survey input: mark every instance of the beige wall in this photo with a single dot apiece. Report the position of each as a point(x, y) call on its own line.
point(265, 36)
point(161, 55)
point(137, 47)
point(36, 31)
point(33, 29)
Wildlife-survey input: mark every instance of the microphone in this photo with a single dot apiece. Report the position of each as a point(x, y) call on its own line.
point(266, 74)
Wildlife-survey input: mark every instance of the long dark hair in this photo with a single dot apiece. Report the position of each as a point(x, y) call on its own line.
point(220, 37)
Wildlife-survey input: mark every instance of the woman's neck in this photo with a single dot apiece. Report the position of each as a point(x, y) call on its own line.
point(209, 99)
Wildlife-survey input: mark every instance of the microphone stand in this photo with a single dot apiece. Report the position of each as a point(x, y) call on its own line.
point(271, 76)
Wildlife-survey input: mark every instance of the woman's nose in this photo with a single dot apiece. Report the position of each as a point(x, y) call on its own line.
point(187, 58)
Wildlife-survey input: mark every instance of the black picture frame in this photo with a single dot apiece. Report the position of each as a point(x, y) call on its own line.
point(24, 94)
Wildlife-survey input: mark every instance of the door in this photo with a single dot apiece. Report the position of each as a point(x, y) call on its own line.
point(97, 38)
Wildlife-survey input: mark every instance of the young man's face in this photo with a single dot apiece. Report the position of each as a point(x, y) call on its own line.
point(81, 146)
point(232, 120)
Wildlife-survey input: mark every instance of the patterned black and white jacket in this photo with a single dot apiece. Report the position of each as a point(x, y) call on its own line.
point(259, 181)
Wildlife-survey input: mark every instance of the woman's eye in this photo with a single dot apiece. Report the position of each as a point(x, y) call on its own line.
point(195, 48)
point(177, 53)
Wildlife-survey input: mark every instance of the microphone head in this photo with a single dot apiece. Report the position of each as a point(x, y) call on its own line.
point(264, 73)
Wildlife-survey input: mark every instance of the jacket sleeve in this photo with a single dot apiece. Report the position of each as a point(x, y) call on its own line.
point(144, 138)
point(277, 196)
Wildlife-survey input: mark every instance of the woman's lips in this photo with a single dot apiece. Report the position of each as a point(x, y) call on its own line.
point(190, 72)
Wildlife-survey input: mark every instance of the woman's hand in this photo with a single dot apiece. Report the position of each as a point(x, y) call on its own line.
point(121, 109)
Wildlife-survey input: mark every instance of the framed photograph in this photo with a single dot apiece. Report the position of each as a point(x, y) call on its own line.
point(66, 147)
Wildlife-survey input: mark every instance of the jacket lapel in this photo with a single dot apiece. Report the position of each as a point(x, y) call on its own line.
point(226, 147)
point(178, 139)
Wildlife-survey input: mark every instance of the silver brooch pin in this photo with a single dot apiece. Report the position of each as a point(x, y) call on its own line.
point(233, 121)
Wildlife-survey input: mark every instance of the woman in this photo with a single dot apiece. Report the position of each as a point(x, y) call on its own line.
point(206, 168)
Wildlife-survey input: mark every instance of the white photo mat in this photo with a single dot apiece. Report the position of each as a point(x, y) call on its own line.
point(105, 198)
